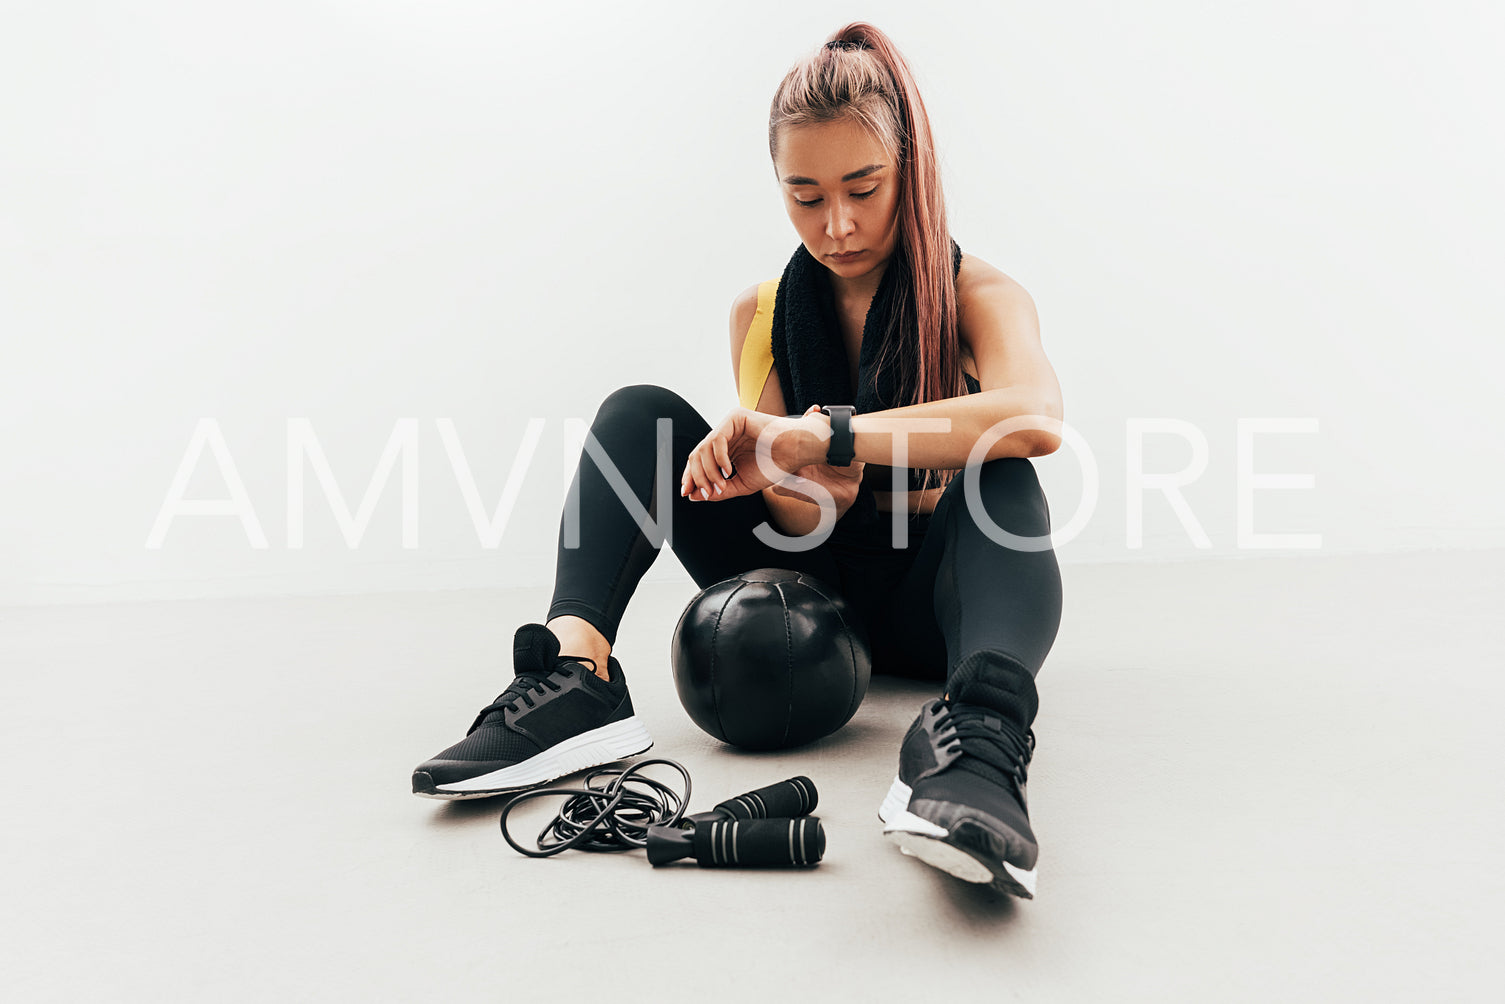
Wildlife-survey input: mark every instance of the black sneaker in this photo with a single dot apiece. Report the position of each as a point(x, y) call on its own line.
point(555, 718)
point(959, 802)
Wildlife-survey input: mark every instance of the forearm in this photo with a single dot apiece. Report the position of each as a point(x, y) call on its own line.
point(792, 517)
point(879, 435)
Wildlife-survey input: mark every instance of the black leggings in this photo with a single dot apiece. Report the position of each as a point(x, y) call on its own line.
point(951, 592)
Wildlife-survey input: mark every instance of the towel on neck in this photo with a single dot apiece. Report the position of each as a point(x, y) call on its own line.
point(811, 356)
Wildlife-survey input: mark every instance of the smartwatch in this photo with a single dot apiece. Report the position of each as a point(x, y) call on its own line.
point(842, 450)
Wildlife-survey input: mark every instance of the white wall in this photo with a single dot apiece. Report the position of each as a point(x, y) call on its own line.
point(358, 212)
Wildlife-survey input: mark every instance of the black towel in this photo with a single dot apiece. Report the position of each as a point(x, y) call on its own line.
point(811, 356)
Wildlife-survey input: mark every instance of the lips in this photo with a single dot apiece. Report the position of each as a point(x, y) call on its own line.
point(846, 255)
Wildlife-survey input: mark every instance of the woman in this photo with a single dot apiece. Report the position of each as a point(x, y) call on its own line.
point(878, 308)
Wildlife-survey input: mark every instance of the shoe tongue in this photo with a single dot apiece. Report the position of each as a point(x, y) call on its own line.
point(993, 681)
point(534, 649)
point(983, 768)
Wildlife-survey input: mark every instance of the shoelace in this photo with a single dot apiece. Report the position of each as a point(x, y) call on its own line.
point(966, 725)
point(523, 688)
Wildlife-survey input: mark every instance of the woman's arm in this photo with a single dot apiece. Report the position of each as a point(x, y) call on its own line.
point(1018, 409)
point(1000, 327)
point(794, 517)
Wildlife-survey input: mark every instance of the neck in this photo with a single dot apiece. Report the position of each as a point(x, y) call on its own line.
point(860, 288)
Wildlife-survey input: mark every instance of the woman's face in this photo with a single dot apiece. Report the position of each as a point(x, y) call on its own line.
point(841, 191)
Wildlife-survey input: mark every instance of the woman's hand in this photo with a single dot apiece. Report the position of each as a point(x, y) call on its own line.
point(753, 450)
point(841, 482)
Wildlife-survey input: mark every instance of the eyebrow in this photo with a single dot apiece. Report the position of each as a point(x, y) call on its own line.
point(796, 179)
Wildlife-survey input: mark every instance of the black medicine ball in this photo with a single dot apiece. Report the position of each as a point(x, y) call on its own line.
point(770, 658)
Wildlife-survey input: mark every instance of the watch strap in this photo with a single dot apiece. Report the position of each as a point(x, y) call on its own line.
point(842, 448)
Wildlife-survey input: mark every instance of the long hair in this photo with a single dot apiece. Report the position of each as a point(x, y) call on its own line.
point(859, 74)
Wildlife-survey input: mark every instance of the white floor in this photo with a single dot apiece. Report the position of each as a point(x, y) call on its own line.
point(1260, 779)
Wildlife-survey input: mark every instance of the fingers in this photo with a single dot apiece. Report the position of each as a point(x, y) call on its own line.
point(710, 469)
point(696, 484)
point(704, 475)
point(723, 458)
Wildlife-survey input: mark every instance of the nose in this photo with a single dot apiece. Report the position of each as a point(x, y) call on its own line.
point(839, 221)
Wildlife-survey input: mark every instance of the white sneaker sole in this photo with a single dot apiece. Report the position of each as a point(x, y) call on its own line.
point(925, 840)
point(588, 749)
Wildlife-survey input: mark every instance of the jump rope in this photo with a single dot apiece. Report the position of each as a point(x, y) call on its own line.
point(770, 827)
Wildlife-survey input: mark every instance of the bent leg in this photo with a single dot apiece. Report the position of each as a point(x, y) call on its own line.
point(994, 605)
point(972, 591)
point(615, 543)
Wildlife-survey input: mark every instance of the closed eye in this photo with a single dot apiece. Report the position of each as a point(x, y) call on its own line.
point(858, 195)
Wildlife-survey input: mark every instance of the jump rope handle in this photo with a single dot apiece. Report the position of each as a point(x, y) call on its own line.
point(794, 797)
point(723, 843)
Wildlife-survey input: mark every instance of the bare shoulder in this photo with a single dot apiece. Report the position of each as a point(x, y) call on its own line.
point(986, 295)
point(743, 308)
point(978, 280)
point(1000, 328)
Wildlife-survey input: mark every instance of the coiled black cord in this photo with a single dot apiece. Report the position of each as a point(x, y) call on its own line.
point(609, 817)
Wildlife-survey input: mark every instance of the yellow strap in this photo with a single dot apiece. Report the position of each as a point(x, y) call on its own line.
point(757, 350)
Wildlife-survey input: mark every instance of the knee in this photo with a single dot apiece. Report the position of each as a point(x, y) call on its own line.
point(641, 399)
point(1008, 490)
point(640, 395)
point(1001, 478)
